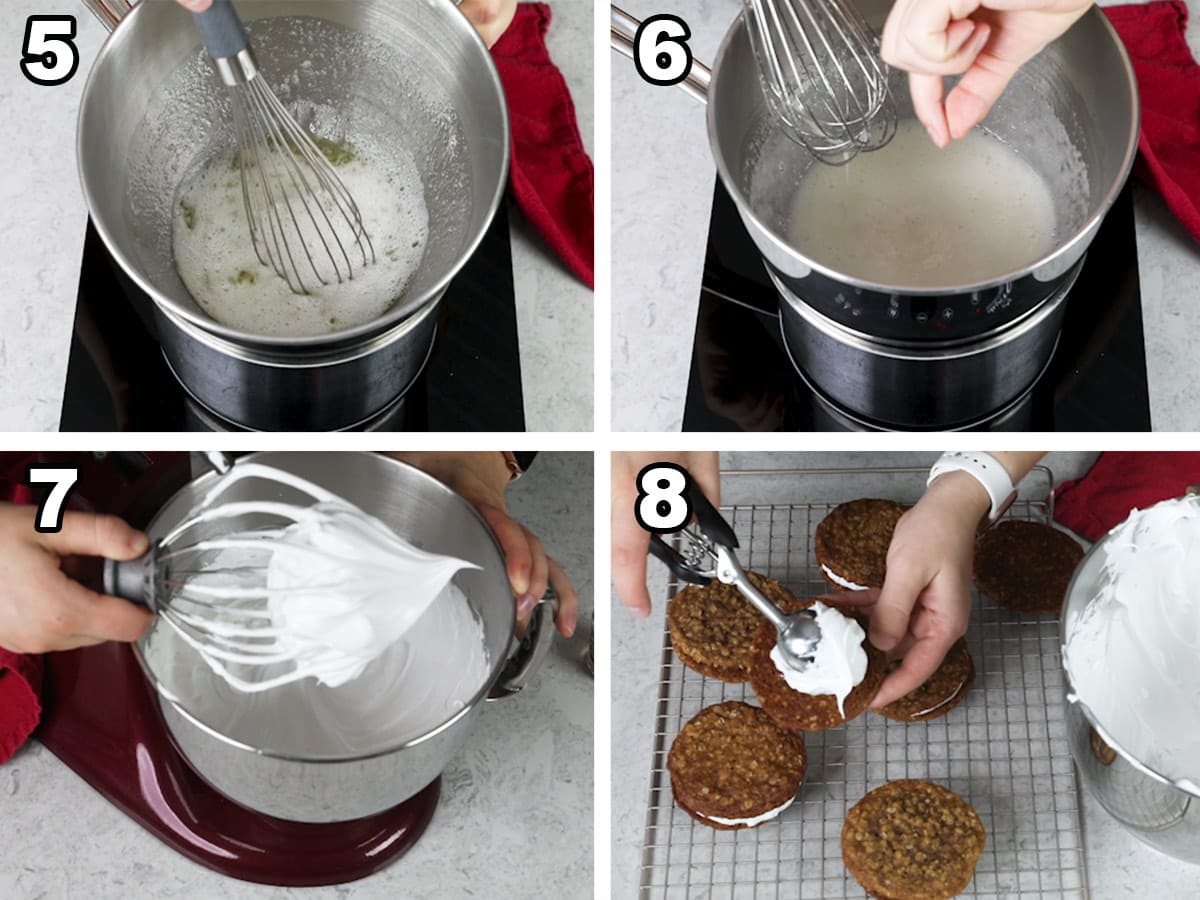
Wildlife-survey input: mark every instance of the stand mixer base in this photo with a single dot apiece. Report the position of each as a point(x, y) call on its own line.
point(102, 719)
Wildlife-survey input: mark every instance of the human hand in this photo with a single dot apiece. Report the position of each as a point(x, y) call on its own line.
point(195, 5)
point(630, 542)
point(925, 602)
point(480, 478)
point(41, 608)
point(986, 41)
point(491, 18)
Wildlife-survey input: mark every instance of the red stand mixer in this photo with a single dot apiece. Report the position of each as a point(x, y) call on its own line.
point(102, 718)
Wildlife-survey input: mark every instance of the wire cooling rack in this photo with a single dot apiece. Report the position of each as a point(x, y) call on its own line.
point(1004, 748)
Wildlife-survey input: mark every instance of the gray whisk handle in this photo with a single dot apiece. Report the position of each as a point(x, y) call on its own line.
point(132, 579)
point(222, 31)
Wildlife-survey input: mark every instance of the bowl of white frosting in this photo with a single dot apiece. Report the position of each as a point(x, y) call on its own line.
point(1130, 631)
point(330, 749)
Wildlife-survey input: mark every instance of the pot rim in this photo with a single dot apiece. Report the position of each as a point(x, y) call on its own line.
point(403, 307)
point(472, 705)
point(1071, 244)
point(1084, 709)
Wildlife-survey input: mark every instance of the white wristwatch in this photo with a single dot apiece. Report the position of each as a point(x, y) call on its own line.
point(985, 469)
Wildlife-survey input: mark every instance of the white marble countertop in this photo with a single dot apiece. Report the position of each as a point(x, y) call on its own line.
point(515, 815)
point(42, 219)
point(663, 177)
point(1118, 865)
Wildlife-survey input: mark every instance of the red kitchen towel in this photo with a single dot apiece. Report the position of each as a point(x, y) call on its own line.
point(1119, 482)
point(20, 676)
point(551, 173)
point(1169, 85)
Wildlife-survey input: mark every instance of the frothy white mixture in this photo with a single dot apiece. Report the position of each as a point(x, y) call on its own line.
point(1134, 653)
point(342, 587)
point(912, 215)
point(839, 664)
point(753, 820)
point(838, 579)
point(217, 261)
point(418, 683)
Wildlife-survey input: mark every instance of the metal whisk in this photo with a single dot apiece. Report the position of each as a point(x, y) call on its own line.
point(304, 222)
point(209, 580)
point(818, 61)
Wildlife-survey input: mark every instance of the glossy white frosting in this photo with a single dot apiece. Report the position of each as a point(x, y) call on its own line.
point(838, 579)
point(753, 820)
point(1133, 654)
point(840, 662)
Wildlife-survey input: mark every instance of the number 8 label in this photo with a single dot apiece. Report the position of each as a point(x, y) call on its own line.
point(662, 507)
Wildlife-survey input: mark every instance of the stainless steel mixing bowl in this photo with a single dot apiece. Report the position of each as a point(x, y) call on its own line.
point(332, 786)
point(154, 109)
point(1149, 806)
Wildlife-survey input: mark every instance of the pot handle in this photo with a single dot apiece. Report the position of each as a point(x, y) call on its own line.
point(109, 12)
point(623, 34)
point(533, 648)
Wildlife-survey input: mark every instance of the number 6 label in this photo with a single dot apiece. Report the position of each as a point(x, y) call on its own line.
point(660, 52)
point(54, 504)
point(662, 507)
point(47, 56)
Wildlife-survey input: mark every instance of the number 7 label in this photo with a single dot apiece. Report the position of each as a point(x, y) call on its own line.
point(54, 504)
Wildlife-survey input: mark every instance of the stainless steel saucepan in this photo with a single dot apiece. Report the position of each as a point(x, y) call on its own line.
point(309, 776)
point(942, 354)
point(154, 109)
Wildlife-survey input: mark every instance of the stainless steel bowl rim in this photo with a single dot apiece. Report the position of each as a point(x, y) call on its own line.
point(480, 695)
point(1083, 707)
point(315, 356)
point(732, 182)
point(402, 309)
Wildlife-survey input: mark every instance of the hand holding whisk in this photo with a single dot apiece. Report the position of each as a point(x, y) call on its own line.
point(824, 82)
point(304, 223)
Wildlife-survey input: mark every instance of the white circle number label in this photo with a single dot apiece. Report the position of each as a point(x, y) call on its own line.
point(660, 51)
point(662, 507)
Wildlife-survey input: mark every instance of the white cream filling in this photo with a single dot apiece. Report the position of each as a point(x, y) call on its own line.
point(839, 580)
point(753, 820)
point(839, 664)
point(1134, 652)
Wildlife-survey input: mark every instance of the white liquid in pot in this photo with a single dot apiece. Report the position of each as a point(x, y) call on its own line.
point(911, 215)
point(217, 262)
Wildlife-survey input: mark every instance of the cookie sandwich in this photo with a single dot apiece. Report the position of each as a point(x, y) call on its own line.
point(834, 688)
point(732, 767)
point(1026, 566)
point(944, 689)
point(851, 543)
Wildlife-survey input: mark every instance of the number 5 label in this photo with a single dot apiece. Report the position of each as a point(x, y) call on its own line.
point(54, 504)
point(48, 57)
point(660, 52)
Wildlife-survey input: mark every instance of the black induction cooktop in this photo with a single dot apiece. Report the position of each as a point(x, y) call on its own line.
point(117, 379)
point(742, 378)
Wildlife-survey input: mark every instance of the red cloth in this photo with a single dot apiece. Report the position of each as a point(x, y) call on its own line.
point(1120, 482)
point(551, 173)
point(20, 676)
point(1169, 85)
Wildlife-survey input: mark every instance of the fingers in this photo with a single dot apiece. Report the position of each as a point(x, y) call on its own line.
point(926, 93)
point(539, 575)
point(568, 600)
point(920, 662)
point(518, 558)
point(73, 616)
point(976, 92)
point(890, 617)
point(196, 5)
point(88, 534)
point(630, 545)
point(705, 469)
